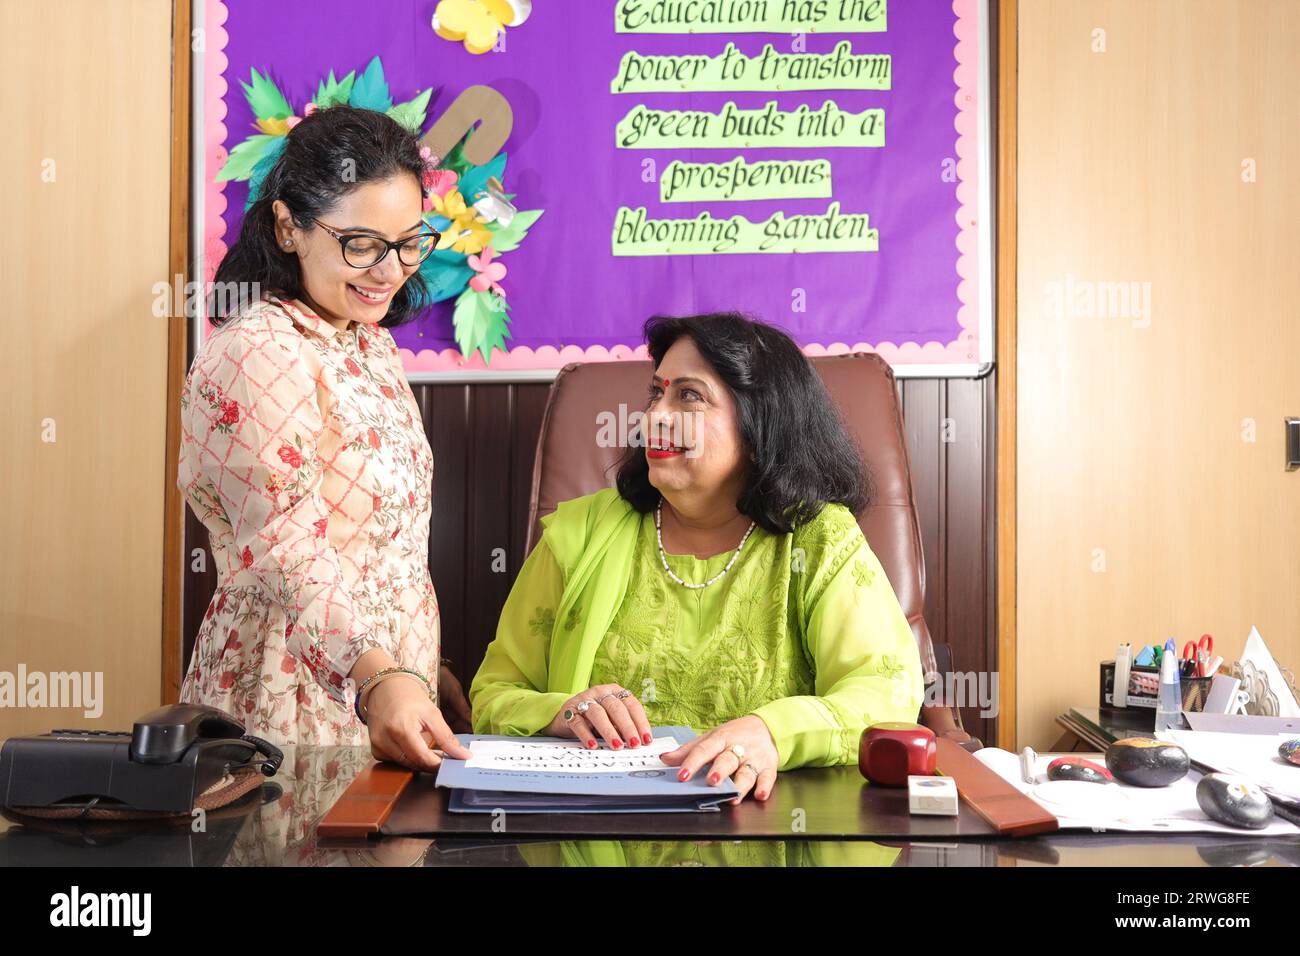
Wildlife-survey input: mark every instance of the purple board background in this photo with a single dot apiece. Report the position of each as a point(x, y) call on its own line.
point(564, 285)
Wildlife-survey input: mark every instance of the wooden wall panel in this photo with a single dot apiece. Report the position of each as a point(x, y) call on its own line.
point(1152, 498)
point(85, 180)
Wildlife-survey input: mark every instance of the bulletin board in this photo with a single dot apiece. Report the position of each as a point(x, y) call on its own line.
point(820, 164)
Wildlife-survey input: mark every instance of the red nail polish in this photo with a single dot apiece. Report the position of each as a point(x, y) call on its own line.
point(645, 739)
point(632, 742)
point(591, 744)
point(713, 778)
point(617, 744)
point(683, 774)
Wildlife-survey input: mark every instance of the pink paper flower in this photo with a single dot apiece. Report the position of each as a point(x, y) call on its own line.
point(490, 273)
point(439, 182)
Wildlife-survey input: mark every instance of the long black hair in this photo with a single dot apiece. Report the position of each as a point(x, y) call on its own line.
point(800, 458)
point(326, 156)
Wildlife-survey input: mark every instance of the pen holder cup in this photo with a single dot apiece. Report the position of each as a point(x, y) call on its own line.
point(1144, 688)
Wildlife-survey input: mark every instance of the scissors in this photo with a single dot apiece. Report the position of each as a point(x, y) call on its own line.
point(1200, 652)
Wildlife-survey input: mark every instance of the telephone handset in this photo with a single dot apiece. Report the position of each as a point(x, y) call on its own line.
point(163, 735)
point(171, 757)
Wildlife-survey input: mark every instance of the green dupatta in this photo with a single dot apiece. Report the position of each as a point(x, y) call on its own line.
point(594, 539)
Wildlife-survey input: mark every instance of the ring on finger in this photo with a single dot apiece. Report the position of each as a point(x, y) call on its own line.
point(584, 706)
point(739, 751)
point(623, 694)
point(606, 697)
point(751, 768)
point(569, 714)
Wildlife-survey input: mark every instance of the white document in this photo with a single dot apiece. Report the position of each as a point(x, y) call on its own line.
point(1117, 806)
point(566, 757)
point(1253, 756)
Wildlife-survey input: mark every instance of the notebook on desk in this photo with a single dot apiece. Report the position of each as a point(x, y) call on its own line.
point(556, 775)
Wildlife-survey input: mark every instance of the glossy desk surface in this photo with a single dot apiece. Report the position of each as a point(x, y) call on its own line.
point(814, 818)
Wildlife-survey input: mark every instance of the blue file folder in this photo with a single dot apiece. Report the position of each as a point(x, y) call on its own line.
point(483, 790)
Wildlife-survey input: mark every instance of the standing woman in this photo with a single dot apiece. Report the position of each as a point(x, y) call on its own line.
point(304, 454)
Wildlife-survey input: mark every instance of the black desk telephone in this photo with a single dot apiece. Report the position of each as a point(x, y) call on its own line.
point(170, 757)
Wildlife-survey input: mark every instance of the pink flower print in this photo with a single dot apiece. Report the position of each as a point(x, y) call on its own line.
point(290, 455)
point(490, 273)
point(288, 665)
point(352, 367)
point(387, 392)
point(247, 557)
point(410, 498)
point(227, 680)
point(320, 526)
point(374, 438)
point(229, 412)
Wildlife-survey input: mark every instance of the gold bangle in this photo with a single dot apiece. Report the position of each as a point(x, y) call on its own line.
point(374, 680)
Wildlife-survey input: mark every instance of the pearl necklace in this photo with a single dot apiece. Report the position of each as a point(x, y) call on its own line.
point(664, 557)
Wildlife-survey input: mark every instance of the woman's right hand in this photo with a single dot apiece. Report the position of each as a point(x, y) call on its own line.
point(405, 725)
point(614, 715)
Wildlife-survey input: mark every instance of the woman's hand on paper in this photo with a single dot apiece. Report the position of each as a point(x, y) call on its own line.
point(756, 771)
point(613, 715)
point(405, 726)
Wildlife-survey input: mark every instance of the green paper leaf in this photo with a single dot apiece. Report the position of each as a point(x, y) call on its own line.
point(370, 90)
point(265, 98)
point(481, 322)
point(270, 155)
point(239, 164)
point(412, 113)
point(332, 92)
point(508, 237)
point(443, 280)
point(474, 182)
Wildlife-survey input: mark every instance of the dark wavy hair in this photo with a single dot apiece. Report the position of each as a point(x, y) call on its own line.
point(800, 458)
point(309, 178)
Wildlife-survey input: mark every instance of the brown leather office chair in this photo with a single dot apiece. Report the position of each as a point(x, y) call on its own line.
point(570, 463)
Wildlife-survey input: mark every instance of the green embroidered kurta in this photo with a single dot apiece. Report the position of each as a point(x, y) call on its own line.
point(804, 631)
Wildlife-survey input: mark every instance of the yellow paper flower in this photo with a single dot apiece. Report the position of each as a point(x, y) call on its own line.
point(466, 233)
point(274, 126)
point(477, 23)
point(451, 204)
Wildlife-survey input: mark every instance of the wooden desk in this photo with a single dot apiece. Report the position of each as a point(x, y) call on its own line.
point(840, 821)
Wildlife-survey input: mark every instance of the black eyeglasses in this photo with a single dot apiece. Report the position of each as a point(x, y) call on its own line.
point(363, 251)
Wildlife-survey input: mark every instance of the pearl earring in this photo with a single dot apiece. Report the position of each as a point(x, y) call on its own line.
point(288, 243)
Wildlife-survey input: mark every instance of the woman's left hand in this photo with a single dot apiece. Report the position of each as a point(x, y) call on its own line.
point(756, 772)
point(453, 703)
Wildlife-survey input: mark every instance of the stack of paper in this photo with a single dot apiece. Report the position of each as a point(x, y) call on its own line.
point(1118, 806)
point(554, 775)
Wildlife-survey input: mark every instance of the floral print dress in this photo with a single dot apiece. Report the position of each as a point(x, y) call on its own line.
point(304, 455)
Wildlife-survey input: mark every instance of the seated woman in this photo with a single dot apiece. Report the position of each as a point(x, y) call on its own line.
point(724, 584)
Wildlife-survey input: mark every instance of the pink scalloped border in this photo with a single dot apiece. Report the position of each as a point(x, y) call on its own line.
point(964, 350)
point(214, 133)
